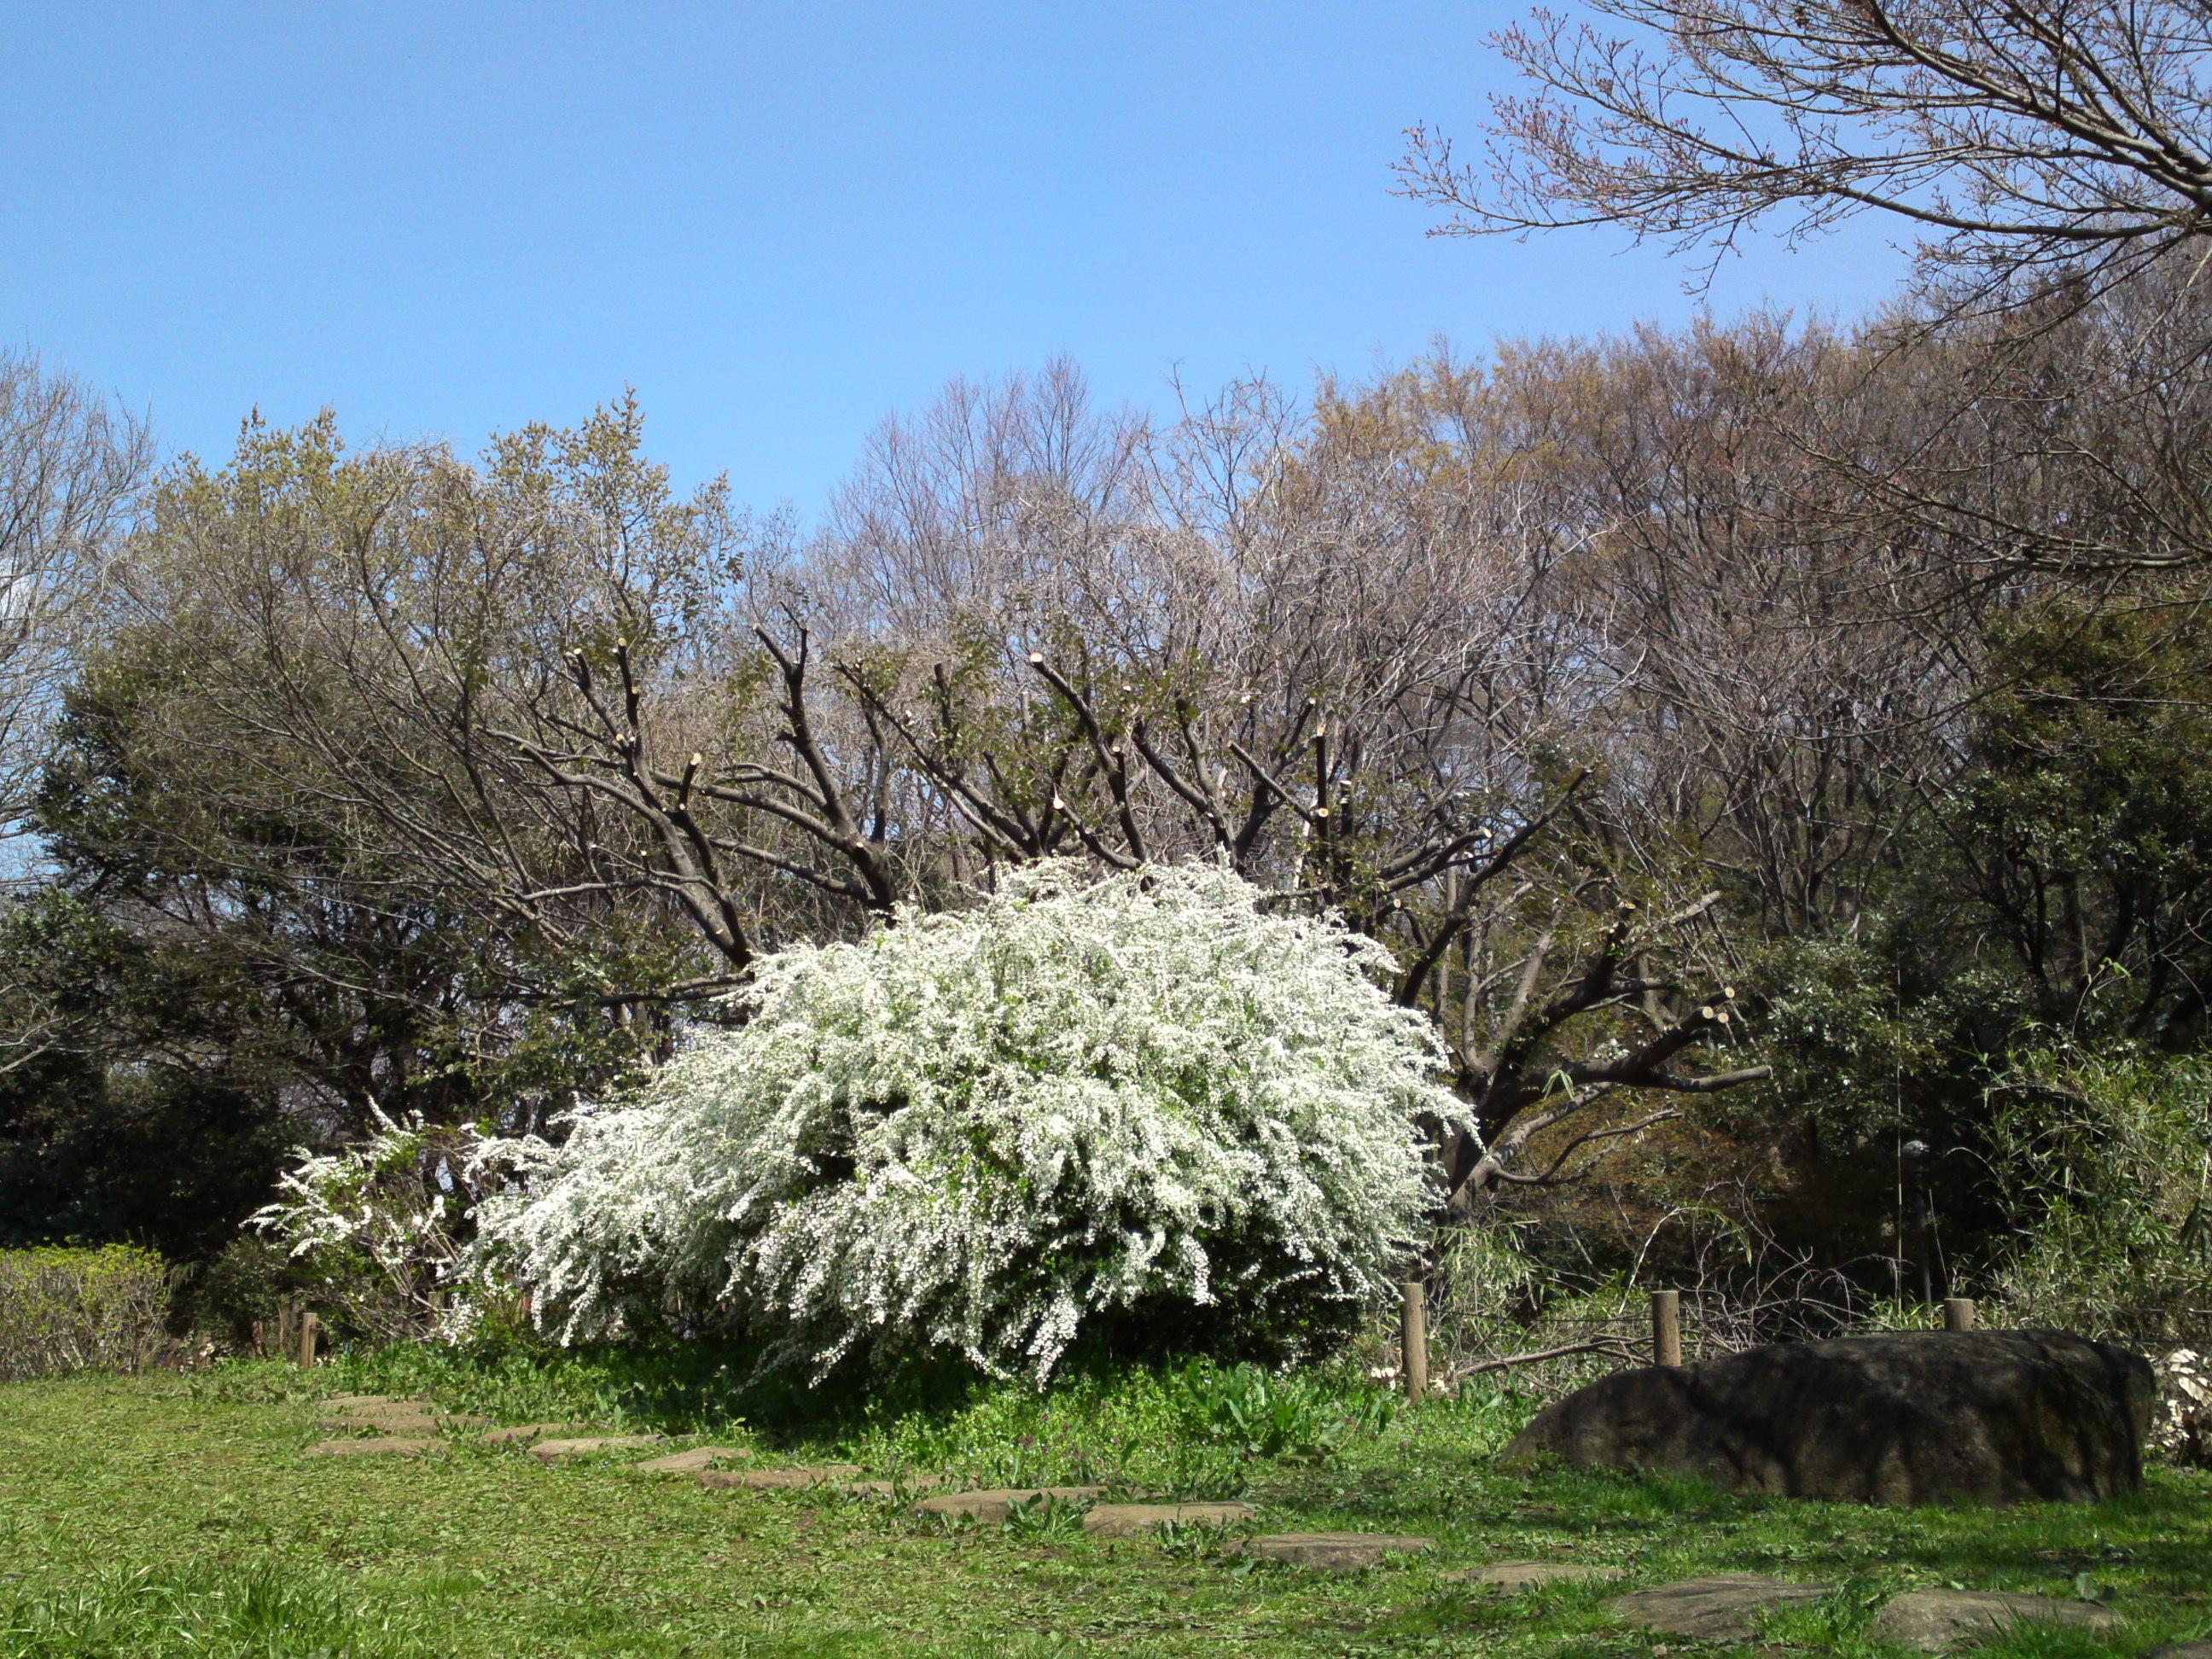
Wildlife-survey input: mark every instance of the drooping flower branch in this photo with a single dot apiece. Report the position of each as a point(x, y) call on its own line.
point(981, 1129)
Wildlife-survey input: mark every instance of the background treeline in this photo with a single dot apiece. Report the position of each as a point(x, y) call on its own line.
point(1768, 747)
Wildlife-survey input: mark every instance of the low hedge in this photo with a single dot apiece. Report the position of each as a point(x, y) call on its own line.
point(77, 1309)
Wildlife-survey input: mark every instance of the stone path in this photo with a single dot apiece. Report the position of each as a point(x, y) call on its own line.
point(777, 1479)
point(557, 1451)
point(418, 1423)
point(688, 1462)
point(1134, 1520)
point(386, 1446)
point(523, 1433)
point(1934, 1620)
point(399, 1426)
point(1511, 1577)
point(1334, 1551)
point(998, 1503)
point(1724, 1607)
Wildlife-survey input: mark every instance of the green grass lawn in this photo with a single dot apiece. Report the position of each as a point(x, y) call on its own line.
point(169, 1515)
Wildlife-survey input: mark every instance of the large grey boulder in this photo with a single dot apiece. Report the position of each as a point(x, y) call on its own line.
point(1905, 1417)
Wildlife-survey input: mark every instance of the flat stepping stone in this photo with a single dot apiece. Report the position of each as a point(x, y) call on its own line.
point(1134, 1520)
point(1335, 1552)
point(1933, 1619)
point(372, 1402)
point(998, 1503)
point(390, 1446)
point(1511, 1577)
point(555, 1451)
point(523, 1433)
point(2182, 1650)
point(387, 1413)
point(777, 1479)
point(1724, 1607)
point(688, 1463)
point(405, 1425)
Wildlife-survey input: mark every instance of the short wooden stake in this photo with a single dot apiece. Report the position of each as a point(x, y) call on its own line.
point(1413, 1341)
point(286, 1337)
point(308, 1332)
point(1958, 1313)
point(1666, 1327)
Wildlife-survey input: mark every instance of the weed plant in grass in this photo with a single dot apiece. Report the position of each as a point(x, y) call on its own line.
point(267, 1609)
point(132, 1507)
point(1259, 1414)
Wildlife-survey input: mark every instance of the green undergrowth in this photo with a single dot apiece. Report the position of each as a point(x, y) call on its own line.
point(1190, 1430)
point(172, 1515)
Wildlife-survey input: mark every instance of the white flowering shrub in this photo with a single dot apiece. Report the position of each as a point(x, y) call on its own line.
point(1137, 1098)
point(382, 1226)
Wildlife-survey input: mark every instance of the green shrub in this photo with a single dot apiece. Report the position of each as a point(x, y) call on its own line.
point(69, 1309)
point(2107, 1167)
point(241, 1287)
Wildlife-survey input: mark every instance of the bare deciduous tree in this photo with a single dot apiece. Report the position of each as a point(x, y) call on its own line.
point(70, 461)
point(1343, 654)
point(1346, 658)
point(2009, 136)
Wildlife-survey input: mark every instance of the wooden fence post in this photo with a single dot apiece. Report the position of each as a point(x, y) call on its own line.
point(308, 1332)
point(1413, 1341)
point(1958, 1313)
point(1666, 1327)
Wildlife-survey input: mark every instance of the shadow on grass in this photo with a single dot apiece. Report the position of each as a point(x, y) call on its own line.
point(677, 1387)
point(1097, 1423)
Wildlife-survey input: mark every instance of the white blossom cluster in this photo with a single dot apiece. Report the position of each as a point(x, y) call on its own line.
point(976, 1129)
point(2181, 1427)
point(383, 1220)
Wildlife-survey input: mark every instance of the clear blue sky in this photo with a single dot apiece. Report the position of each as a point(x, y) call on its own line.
point(777, 222)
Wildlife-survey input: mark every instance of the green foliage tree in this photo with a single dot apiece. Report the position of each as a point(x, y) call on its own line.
point(137, 1103)
point(2105, 1162)
point(2084, 819)
point(291, 886)
point(2049, 893)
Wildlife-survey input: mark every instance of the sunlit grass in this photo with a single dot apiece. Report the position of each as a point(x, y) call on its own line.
point(265, 1609)
point(172, 1515)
